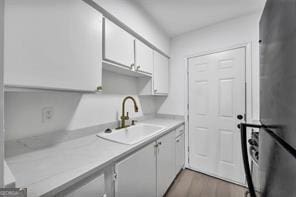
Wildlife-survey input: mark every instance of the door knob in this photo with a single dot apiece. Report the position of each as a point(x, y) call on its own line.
point(240, 117)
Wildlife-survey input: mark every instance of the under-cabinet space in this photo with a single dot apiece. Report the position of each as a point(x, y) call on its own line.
point(53, 44)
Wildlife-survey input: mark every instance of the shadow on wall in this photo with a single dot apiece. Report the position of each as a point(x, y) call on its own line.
point(159, 101)
point(118, 84)
point(71, 111)
point(24, 112)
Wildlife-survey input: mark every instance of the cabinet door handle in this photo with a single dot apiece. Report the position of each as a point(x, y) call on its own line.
point(155, 149)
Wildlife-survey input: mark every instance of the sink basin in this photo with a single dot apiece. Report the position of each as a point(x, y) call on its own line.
point(132, 134)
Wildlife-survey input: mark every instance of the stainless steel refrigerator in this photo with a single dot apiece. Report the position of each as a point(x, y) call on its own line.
point(277, 135)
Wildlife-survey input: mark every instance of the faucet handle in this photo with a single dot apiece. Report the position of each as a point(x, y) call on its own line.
point(134, 122)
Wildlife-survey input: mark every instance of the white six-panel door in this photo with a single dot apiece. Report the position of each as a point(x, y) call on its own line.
point(216, 97)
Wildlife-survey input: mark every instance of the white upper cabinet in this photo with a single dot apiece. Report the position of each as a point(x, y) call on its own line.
point(144, 57)
point(54, 44)
point(160, 74)
point(118, 45)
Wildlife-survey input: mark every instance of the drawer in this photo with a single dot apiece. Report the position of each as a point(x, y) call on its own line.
point(180, 130)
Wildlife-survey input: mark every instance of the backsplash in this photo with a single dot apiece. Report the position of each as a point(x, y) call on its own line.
point(71, 111)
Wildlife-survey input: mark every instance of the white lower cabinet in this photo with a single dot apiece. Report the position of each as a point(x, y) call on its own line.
point(148, 172)
point(180, 152)
point(165, 163)
point(136, 175)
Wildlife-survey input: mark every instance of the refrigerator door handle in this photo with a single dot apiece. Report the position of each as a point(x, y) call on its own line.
point(243, 130)
point(278, 140)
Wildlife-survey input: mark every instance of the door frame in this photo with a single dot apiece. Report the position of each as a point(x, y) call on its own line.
point(248, 93)
point(2, 135)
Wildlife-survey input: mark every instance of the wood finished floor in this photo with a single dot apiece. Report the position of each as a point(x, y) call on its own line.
point(193, 184)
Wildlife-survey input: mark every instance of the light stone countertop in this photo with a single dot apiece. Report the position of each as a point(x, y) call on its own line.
point(48, 171)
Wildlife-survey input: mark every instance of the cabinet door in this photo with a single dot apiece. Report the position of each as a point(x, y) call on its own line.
point(180, 152)
point(144, 57)
point(165, 163)
point(136, 175)
point(53, 44)
point(91, 189)
point(160, 74)
point(118, 45)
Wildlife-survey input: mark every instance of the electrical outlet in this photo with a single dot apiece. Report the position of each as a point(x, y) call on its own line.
point(47, 114)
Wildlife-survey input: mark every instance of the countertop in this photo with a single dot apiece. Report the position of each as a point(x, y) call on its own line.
point(50, 170)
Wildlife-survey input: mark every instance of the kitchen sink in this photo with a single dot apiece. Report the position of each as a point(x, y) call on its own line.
point(131, 135)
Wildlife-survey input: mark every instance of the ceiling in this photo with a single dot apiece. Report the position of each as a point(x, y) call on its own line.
point(180, 16)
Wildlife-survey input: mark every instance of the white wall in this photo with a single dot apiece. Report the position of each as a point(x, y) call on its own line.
point(218, 36)
point(138, 20)
point(23, 113)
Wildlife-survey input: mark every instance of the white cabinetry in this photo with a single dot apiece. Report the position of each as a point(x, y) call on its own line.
point(180, 152)
point(136, 175)
point(148, 172)
point(123, 52)
point(160, 74)
point(144, 57)
point(165, 163)
point(118, 45)
point(53, 45)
